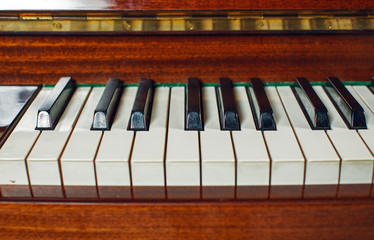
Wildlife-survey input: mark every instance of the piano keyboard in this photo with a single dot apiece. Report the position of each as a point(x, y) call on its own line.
point(192, 142)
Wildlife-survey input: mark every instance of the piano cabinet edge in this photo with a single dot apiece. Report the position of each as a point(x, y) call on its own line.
point(277, 219)
point(152, 5)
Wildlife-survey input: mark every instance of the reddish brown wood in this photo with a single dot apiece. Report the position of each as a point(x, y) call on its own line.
point(94, 59)
point(123, 5)
point(312, 219)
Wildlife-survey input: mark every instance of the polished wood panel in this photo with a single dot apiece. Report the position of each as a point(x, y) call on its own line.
point(174, 58)
point(123, 5)
point(290, 219)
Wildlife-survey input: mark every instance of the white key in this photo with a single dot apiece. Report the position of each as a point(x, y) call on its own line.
point(253, 163)
point(147, 161)
point(357, 161)
point(43, 159)
point(182, 157)
point(322, 162)
point(77, 161)
point(217, 156)
point(112, 160)
point(287, 160)
point(366, 99)
point(18, 145)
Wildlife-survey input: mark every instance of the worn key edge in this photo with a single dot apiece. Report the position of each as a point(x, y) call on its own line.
point(194, 120)
point(54, 111)
point(262, 115)
point(145, 116)
point(107, 113)
point(357, 119)
point(321, 120)
point(229, 118)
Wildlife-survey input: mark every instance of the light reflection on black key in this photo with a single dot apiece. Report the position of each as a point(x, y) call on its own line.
point(227, 106)
point(141, 111)
point(262, 111)
point(193, 117)
point(312, 106)
point(347, 106)
point(53, 107)
point(107, 106)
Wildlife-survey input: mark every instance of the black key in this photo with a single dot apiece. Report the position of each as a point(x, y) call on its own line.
point(141, 111)
point(227, 106)
point(312, 106)
point(107, 106)
point(194, 117)
point(53, 107)
point(262, 111)
point(350, 110)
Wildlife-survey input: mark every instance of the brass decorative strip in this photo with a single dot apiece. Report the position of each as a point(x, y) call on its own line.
point(187, 22)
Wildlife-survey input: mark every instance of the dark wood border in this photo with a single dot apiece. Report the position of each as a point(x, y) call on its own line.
point(173, 58)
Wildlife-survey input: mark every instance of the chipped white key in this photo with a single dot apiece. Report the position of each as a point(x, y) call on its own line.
point(357, 161)
point(147, 161)
point(217, 156)
point(287, 166)
point(43, 165)
point(253, 163)
point(77, 161)
point(182, 156)
point(112, 160)
point(13, 173)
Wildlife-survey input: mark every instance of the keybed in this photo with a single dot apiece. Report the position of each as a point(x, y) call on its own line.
point(164, 159)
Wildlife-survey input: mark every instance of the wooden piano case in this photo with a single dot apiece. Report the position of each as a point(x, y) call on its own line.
point(35, 54)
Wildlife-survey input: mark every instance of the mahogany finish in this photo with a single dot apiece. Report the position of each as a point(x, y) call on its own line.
point(174, 58)
point(27, 59)
point(133, 5)
point(291, 219)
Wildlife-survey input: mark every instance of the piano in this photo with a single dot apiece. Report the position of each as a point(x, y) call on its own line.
point(189, 119)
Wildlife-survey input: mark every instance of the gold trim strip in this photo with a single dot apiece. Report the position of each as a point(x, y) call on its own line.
point(186, 22)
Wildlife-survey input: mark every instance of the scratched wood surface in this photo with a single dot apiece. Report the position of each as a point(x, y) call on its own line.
point(131, 5)
point(316, 219)
point(172, 58)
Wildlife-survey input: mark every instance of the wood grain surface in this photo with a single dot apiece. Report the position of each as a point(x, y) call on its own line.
point(133, 5)
point(173, 58)
point(317, 219)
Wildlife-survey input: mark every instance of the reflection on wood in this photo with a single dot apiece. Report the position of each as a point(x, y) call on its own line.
point(182, 193)
point(273, 58)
